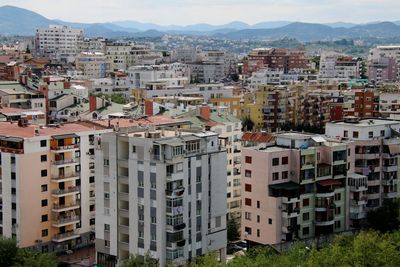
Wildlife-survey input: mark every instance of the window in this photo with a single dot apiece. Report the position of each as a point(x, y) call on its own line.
point(275, 161)
point(258, 218)
point(247, 173)
point(337, 224)
point(44, 202)
point(306, 202)
point(285, 175)
point(355, 134)
point(45, 218)
point(153, 219)
point(133, 149)
point(248, 160)
point(337, 210)
point(306, 230)
point(383, 133)
point(43, 143)
point(247, 230)
point(106, 227)
point(370, 134)
point(285, 160)
point(345, 133)
point(106, 195)
point(306, 216)
point(269, 221)
point(43, 173)
point(247, 201)
point(338, 197)
point(258, 232)
point(258, 204)
point(106, 163)
point(275, 176)
point(247, 216)
point(13, 176)
point(44, 187)
point(106, 243)
point(91, 179)
point(247, 187)
point(45, 232)
point(43, 158)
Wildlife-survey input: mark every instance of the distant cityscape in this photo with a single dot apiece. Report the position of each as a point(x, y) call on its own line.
point(171, 145)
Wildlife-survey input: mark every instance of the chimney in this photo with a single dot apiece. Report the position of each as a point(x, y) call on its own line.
point(148, 108)
point(205, 112)
point(92, 103)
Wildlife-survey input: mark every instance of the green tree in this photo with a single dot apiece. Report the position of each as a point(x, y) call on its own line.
point(232, 229)
point(386, 217)
point(140, 261)
point(247, 124)
point(8, 252)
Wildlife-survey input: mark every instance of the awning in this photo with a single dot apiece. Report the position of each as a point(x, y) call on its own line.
point(318, 139)
point(285, 186)
point(329, 182)
point(63, 136)
point(11, 139)
point(394, 149)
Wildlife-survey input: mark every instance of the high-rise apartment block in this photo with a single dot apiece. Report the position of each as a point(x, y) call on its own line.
point(47, 185)
point(161, 192)
point(58, 42)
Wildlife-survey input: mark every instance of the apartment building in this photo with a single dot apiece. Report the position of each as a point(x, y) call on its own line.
point(377, 148)
point(174, 75)
point(229, 128)
point(14, 95)
point(277, 59)
point(92, 64)
point(386, 51)
point(47, 182)
point(58, 42)
point(389, 103)
point(336, 68)
point(92, 45)
point(381, 70)
point(163, 193)
point(294, 189)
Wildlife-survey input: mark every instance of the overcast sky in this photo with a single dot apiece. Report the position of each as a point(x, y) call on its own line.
point(185, 12)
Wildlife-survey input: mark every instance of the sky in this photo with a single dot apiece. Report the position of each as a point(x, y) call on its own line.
point(184, 12)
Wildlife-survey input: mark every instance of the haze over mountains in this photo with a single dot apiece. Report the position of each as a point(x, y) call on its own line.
point(19, 21)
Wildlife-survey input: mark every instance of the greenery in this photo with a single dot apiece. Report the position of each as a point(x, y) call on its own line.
point(12, 256)
point(386, 217)
point(247, 124)
point(364, 249)
point(232, 229)
point(116, 98)
point(139, 261)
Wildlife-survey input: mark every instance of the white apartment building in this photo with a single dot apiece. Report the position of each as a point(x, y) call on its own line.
point(93, 64)
point(265, 76)
point(377, 149)
point(174, 75)
point(163, 192)
point(58, 42)
point(121, 56)
point(47, 185)
point(92, 45)
point(112, 85)
point(338, 67)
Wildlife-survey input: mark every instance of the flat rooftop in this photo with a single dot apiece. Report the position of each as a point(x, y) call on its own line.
point(366, 123)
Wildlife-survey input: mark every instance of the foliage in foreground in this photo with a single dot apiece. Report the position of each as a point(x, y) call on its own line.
point(365, 249)
point(12, 256)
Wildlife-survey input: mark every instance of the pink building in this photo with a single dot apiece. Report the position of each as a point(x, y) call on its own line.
point(383, 69)
point(295, 188)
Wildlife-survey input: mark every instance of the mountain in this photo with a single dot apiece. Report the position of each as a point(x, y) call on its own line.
point(19, 21)
point(340, 24)
point(271, 24)
point(315, 32)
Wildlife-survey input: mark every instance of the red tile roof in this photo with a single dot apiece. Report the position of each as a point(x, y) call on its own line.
point(257, 137)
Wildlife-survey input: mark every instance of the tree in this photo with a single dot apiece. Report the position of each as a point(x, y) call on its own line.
point(140, 261)
point(8, 252)
point(247, 124)
point(385, 218)
point(232, 229)
point(11, 255)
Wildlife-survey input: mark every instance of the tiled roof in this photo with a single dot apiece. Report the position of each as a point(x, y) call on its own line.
point(257, 137)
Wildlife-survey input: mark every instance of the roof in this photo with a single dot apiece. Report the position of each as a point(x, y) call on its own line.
point(151, 120)
point(257, 137)
point(318, 139)
point(11, 129)
point(329, 182)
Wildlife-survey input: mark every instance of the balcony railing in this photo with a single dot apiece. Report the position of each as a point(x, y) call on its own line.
point(65, 147)
point(74, 189)
point(65, 161)
point(63, 177)
point(65, 220)
point(65, 236)
point(66, 206)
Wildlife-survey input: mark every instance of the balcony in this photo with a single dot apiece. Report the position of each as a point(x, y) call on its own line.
point(66, 207)
point(325, 221)
point(289, 200)
point(65, 192)
point(390, 168)
point(358, 202)
point(358, 216)
point(175, 210)
point(65, 236)
point(177, 192)
point(290, 228)
point(65, 178)
point(390, 195)
point(175, 176)
point(307, 165)
point(64, 221)
point(176, 227)
point(325, 194)
point(65, 162)
point(60, 149)
point(290, 213)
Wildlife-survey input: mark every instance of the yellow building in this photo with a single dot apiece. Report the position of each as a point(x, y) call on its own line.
point(235, 104)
